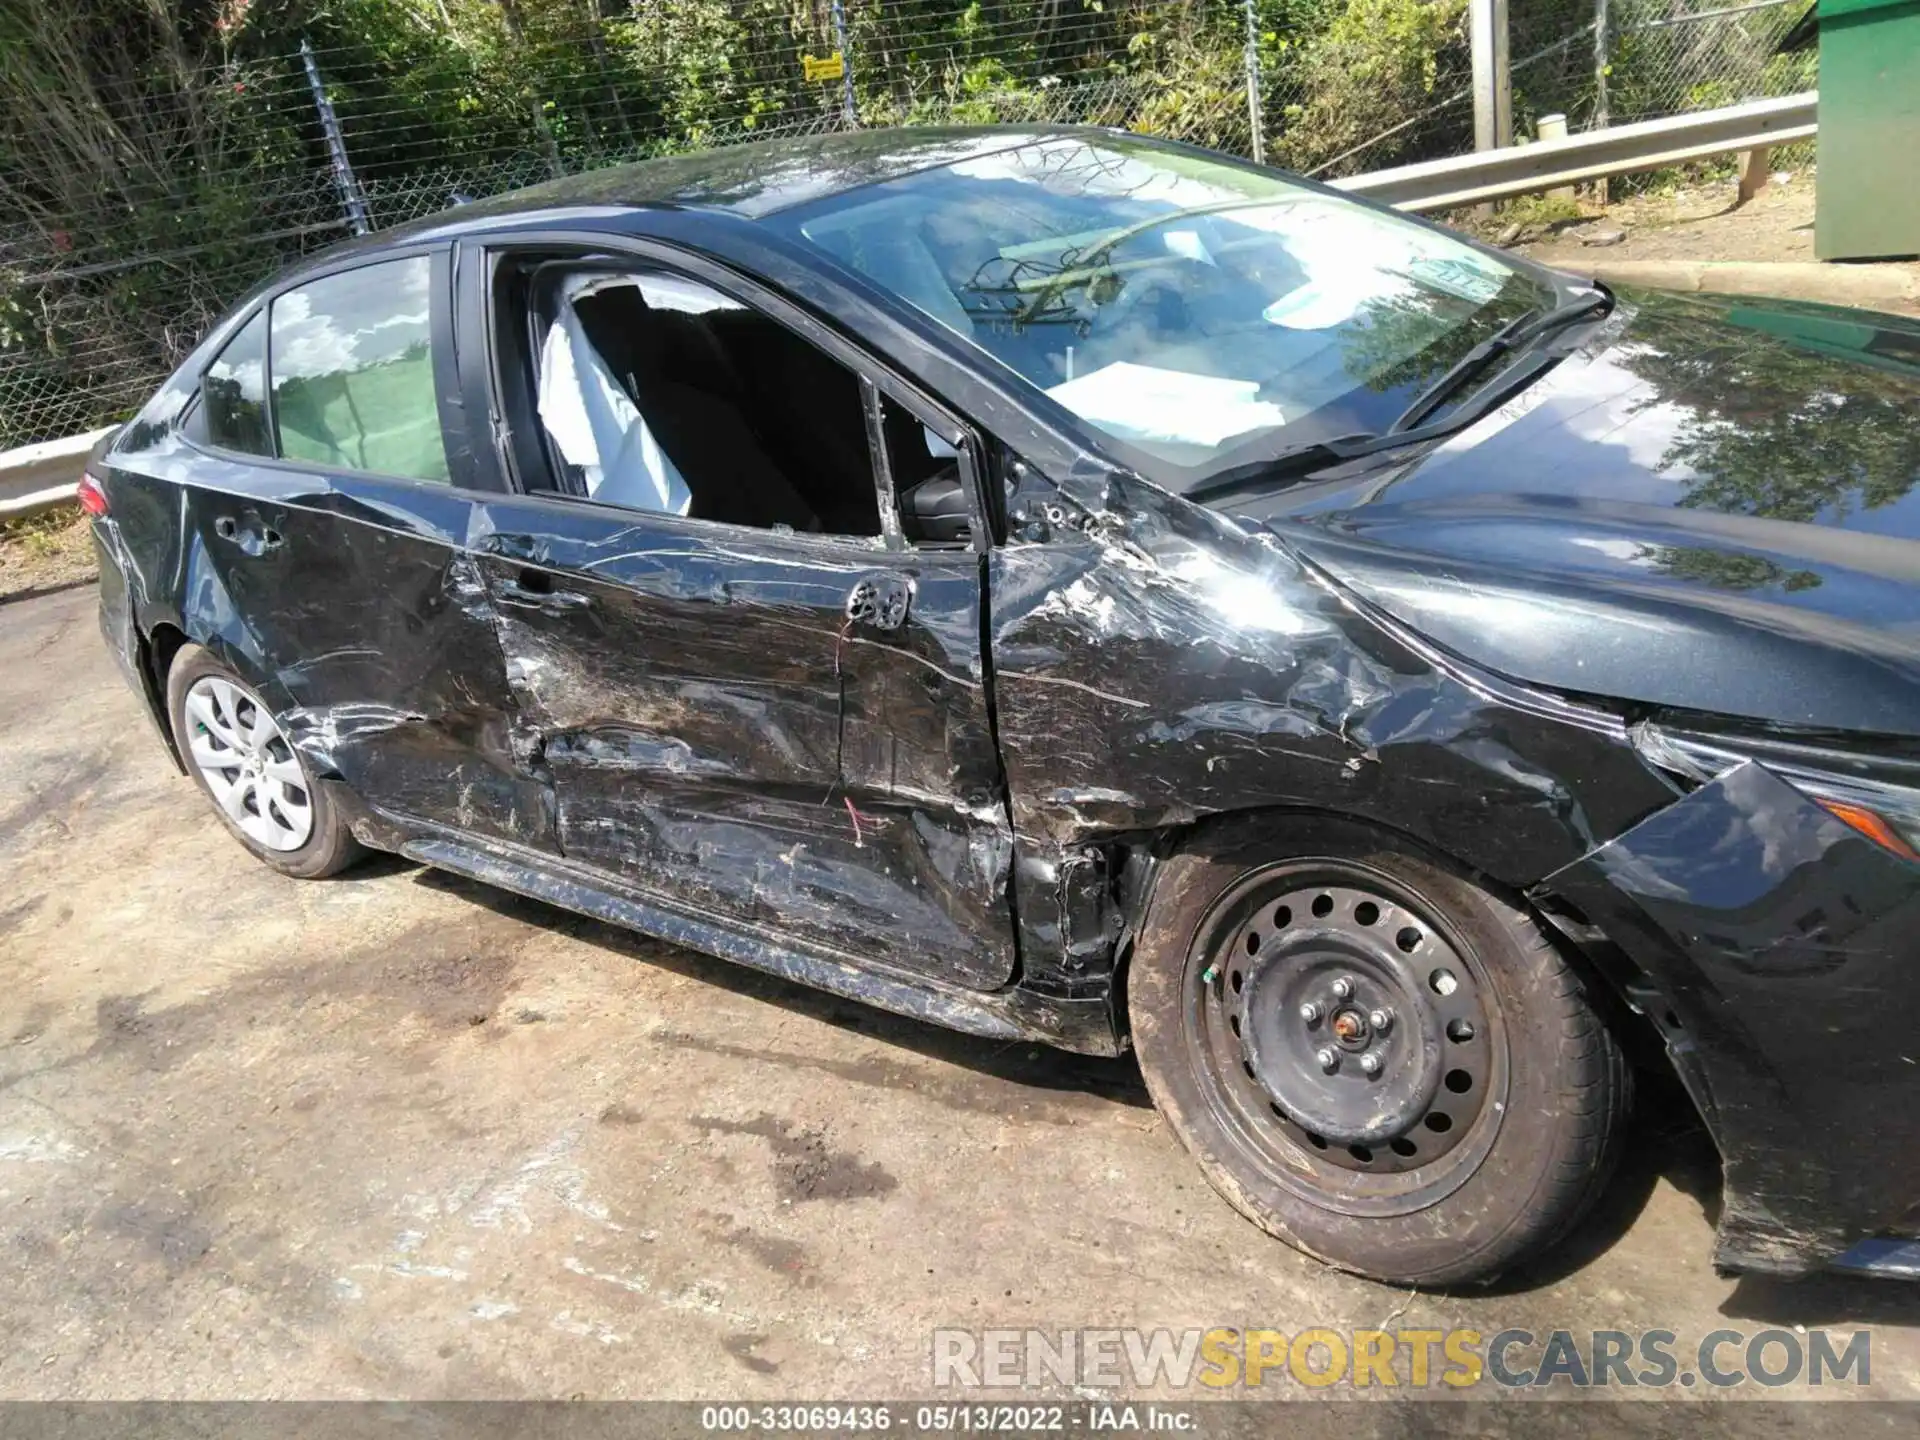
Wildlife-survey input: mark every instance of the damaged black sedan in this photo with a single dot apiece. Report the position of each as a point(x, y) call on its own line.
point(1076, 588)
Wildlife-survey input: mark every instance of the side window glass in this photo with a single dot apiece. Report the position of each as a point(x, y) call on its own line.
point(233, 393)
point(353, 372)
point(660, 393)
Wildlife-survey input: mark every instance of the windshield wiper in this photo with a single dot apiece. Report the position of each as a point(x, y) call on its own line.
point(1516, 334)
point(1288, 464)
point(1300, 460)
point(1597, 301)
point(1466, 368)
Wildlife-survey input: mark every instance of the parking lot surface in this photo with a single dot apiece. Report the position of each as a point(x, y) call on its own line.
point(398, 1135)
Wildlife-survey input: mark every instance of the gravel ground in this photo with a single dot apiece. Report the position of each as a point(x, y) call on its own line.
point(45, 552)
point(397, 1135)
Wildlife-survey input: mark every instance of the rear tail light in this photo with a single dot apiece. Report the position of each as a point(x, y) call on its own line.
point(93, 496)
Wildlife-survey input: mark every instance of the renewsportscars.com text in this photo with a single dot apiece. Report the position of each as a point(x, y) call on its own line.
point(1232, 1359)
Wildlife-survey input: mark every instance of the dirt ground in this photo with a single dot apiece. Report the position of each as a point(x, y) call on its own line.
point(1698, 221)
point(397, 1135)
point(45, 552)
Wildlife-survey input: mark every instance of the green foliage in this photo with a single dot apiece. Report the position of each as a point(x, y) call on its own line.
point(158, 157)
point(1378, 64)
point(1726, 569)
point(1199, 90)
point(1540, 211)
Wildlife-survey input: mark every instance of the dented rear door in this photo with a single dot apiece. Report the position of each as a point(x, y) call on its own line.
point(324, 574)
point(722, 737)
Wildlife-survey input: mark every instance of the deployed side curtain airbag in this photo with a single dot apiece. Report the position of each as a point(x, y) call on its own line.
point(595, 423)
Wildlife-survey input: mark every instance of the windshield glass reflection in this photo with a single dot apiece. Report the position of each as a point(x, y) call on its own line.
point(1191, 309)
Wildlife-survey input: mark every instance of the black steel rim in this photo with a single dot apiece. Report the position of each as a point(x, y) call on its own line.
point(1347, 1039)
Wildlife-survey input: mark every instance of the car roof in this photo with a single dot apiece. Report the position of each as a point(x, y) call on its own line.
point(748, 180)
point(763, 176)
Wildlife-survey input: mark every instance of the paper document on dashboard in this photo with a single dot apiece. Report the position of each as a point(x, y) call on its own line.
point(1144, 402)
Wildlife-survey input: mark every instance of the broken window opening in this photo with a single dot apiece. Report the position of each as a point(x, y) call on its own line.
point(659, 393)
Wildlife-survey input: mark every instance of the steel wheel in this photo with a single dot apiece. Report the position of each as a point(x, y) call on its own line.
point(250, 769)
point(1353, 1046)
point(1372, 1054)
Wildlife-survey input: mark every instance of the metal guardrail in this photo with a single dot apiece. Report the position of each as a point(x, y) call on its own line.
point(38, 477)
point(1592, 155)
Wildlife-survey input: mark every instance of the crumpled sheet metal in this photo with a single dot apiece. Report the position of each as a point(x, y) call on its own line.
point(1154, 666)
point(1782, 944)
point(721, 736)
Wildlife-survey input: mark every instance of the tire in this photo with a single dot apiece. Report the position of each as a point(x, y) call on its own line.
point(307, 841)
point(1489, 1122)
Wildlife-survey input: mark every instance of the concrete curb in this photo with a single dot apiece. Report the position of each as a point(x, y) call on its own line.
point(1872, 287)
point(59, 587)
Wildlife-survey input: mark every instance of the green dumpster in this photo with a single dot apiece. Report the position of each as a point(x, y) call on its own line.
point(1869, 197)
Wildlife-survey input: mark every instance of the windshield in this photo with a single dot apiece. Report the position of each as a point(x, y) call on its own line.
point(1200, 313)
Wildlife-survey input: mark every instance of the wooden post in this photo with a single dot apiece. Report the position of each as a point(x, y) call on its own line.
point(1755, 166)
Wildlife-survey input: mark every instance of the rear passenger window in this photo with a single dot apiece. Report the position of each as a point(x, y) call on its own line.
point(353, 372)
point(234, 392)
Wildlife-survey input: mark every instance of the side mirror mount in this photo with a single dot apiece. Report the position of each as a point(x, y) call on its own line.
point(936, 511)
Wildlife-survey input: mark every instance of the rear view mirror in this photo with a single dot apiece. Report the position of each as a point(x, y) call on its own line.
point(936, 510)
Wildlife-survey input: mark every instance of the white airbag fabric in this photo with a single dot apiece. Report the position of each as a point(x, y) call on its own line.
point(594, 423)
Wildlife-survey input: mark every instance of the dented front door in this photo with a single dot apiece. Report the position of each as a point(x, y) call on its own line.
point(725, 737)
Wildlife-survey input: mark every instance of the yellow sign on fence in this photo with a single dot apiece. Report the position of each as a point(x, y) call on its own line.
point(830, 67)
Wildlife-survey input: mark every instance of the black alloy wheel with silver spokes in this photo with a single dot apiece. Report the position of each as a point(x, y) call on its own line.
point(1371, 1055)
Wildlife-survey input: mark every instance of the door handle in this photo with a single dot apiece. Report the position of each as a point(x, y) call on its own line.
point(515, 547)
point(880, 602)
point(254, 540)
point(534, 591)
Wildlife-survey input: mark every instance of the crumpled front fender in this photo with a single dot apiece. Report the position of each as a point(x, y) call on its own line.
point(1784, 946)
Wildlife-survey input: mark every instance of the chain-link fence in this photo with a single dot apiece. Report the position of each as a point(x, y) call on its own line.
point(137, 210)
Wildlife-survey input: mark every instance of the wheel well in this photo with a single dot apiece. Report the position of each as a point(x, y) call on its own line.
point(1620, 985)
point(163, 642)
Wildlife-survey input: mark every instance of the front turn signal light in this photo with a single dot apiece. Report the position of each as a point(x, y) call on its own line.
point(1870, 824)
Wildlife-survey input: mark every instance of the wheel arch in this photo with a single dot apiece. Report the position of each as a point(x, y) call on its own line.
point(1576, 1071)
point(159, 646)
point(1611, 975)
